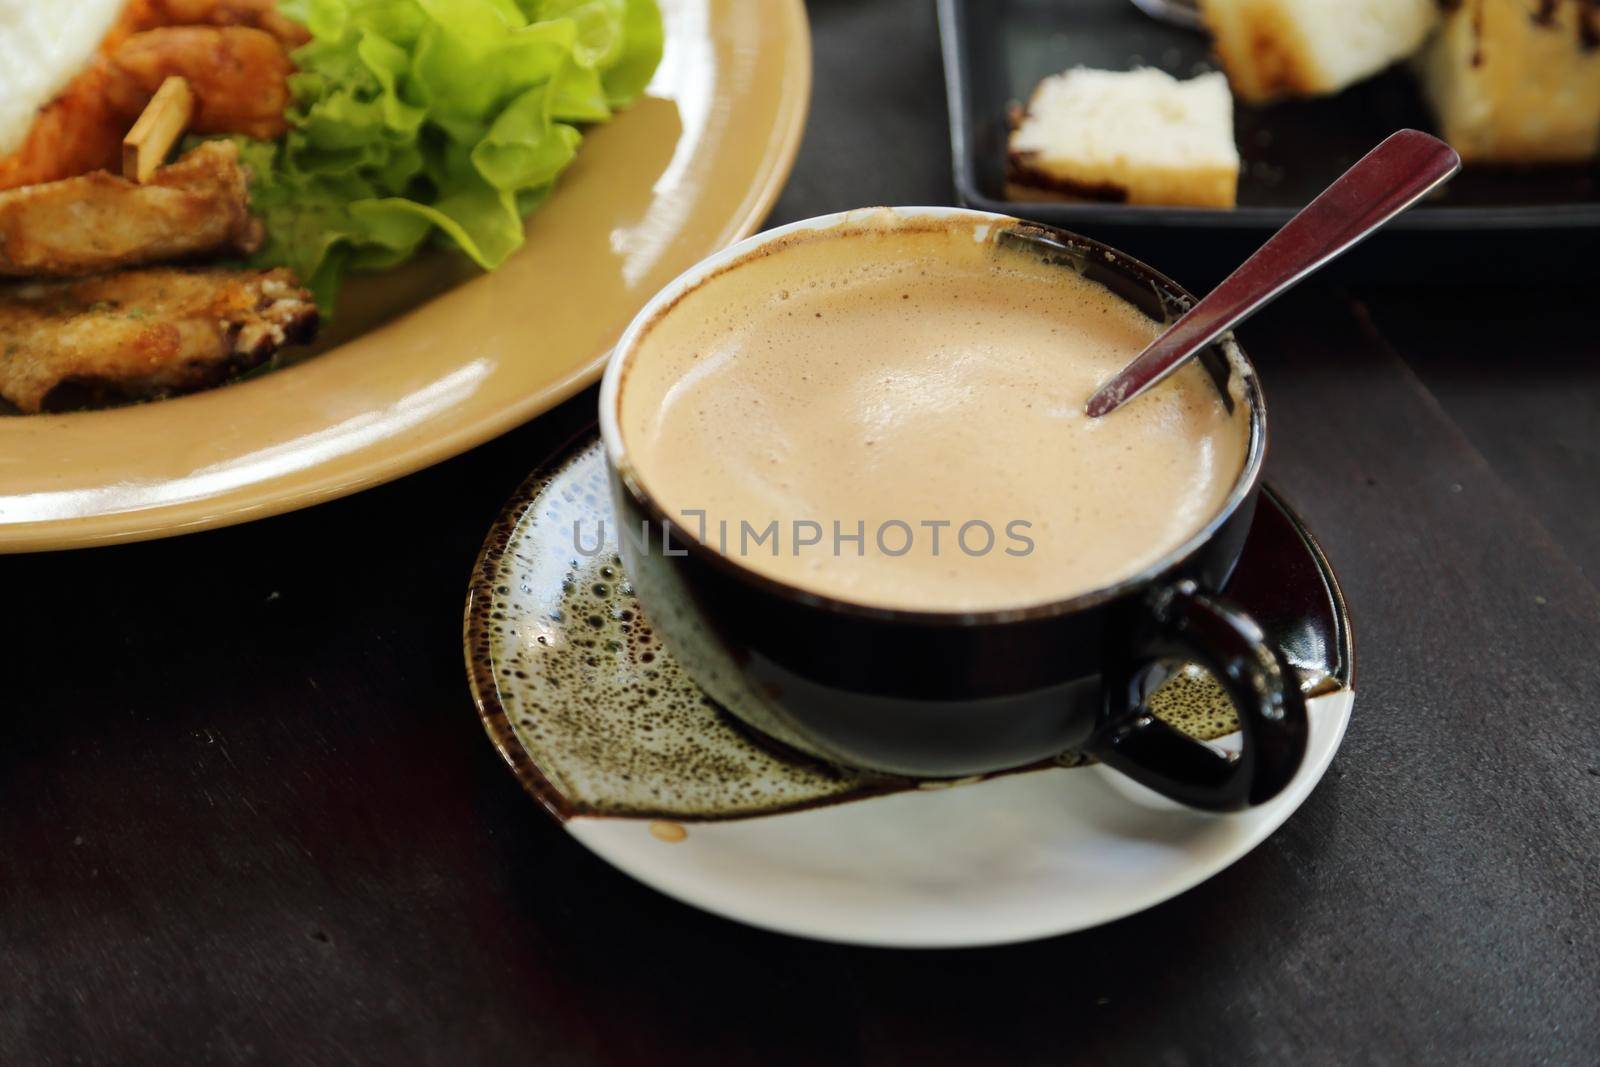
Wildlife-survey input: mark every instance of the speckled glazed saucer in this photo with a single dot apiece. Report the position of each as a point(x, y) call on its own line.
point(616, 742)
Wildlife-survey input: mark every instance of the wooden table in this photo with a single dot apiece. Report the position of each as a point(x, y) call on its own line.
point(247, 811)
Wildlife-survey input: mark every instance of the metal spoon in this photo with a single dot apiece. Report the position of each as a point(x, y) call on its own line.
point(1392, 177)
point(1178, 12)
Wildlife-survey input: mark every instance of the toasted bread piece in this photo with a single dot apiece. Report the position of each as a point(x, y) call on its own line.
point(1274, 48)
point(1138, 137)
point(1517, 81)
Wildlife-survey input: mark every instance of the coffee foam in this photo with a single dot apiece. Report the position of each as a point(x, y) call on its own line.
point(889, 379)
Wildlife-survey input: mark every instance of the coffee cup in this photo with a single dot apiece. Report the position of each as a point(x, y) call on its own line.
point(839, 391)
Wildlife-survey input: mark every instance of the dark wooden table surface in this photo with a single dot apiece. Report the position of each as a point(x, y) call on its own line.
point(247, 812)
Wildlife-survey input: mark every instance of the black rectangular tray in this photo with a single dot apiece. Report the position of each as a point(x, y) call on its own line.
point(996, 51)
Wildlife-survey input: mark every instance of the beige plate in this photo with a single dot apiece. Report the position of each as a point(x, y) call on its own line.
point(693, 166)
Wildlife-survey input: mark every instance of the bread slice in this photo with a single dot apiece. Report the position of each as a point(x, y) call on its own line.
point(1517, 81)
point(1274, 48)
point(1139, 137)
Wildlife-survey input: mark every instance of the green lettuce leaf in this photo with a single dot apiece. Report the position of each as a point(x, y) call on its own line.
point(436, 120)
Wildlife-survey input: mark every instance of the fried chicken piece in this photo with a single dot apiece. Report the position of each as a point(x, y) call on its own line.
point(139, 334)
point(240, 76)
point(141, 15)
point(98, 222)
point(77, 132)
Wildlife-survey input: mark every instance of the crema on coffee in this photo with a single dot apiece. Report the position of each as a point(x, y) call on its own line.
point(894, 416)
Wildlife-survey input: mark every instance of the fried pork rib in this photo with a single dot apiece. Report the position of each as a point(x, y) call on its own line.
point(140, 334)
point(97, 222)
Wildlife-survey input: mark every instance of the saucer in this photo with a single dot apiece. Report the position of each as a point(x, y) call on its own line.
point(600, 724)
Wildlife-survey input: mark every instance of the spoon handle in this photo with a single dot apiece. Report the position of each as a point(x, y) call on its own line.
point(1183, 13)
point(1389, 179)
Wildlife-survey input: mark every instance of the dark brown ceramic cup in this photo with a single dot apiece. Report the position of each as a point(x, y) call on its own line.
point(952, 694)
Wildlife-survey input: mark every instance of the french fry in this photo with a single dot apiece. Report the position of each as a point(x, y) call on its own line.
point(160, 125)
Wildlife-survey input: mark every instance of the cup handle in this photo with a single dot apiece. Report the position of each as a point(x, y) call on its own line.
point(1188, 625)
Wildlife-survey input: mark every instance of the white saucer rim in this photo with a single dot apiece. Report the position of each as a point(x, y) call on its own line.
point(1306, 780)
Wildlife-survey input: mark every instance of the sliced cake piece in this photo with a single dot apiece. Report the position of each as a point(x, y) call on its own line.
point(1138, 137)
point(1273, 48)
point(1517, 81)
